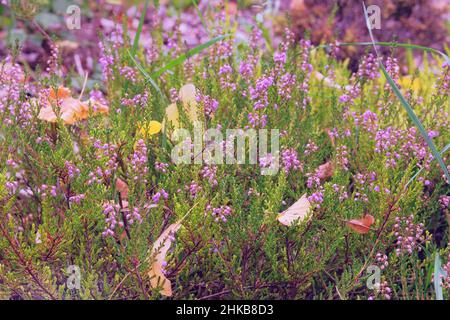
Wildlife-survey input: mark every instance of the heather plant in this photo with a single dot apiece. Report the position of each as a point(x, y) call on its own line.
point(94, 207)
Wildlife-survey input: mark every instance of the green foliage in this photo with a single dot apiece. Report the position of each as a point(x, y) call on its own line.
point(251, 255)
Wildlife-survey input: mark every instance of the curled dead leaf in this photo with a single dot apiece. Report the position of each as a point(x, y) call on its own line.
point(98, 107)
point(295, 213)
point(158, 253)
point(71, 110)
point(361, 226)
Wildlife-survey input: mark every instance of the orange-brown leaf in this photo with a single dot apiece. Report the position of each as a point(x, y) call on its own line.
point(325, 171)
point(70, 110)
point(60, 93)
point(122, 188)
point(361, 226)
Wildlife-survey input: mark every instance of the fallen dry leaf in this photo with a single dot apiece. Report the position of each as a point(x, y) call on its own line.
point(122, 188)
point(159, 252)
point(325, 171)
point(149, 129)
point(187, 96)
point(361, 226)
point(60, 93)
point(330, 83)
point(295, 213)
point(97, 107)
point(172, 115)
point(67, 45)
point(297, 5)
point(71, 110)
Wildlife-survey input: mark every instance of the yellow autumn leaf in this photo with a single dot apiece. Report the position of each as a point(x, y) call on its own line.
point(154, 127)
point(149, 129)
point(295, 213)
point(159, 252)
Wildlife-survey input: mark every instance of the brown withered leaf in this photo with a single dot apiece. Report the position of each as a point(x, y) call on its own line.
point(361, 226)
point(325, 171)
point(71, 109)
point(122, 188)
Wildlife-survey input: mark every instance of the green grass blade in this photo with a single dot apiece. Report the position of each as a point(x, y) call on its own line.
point(366, 19)
point(200, 15)
point(389, 44)
point(421, 169)
point(180, 59)
point(416, 121)
point(266, 35)
point(148, 77)
point(438, 272)
point(406, 105)
point(139, 29)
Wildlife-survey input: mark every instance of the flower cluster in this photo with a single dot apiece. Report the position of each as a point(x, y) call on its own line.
point(140, 99)
point(384, 291)
point(290, 160)
point(106, 152)
point(72, 170)
point(446, 268)
point(444, 201)
point(316, 198)
point(128, 73)
point(382, 260)
point(259, 93)
point(161, 167)
point(133, 216)
point(138, 161)
point(256, 120)
point(410, 236)
point(310, 148)
point(226, 77)
point(194, 188)
point(106, 61)
point(209, 104)
point(111, 220)
point(368, 67)
point(157, 196)
point(209, 173)
point(220, 213)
